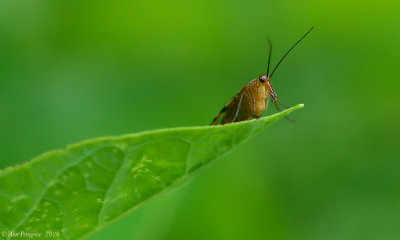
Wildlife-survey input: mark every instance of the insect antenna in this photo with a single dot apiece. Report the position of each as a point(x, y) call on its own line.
point(294, 45)
point(269, 54)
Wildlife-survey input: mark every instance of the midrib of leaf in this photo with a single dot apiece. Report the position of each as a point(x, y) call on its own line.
point(100, 220)
point(129, 145)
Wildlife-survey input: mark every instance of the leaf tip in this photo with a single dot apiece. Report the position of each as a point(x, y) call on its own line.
point(298, 106)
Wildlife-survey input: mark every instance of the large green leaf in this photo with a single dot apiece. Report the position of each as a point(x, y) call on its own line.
point(80, 189)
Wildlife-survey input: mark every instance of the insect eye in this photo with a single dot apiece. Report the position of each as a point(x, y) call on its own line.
point(261, 78)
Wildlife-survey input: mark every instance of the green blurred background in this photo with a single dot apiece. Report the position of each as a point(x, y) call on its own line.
point(73, 70)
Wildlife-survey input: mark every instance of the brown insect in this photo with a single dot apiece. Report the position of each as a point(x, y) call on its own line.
point(252, 100)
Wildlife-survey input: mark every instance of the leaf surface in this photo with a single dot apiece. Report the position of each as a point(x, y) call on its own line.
point(80, 189)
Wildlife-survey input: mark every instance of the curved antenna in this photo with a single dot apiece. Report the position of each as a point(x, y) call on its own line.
point(269, 54)
point(294, 45)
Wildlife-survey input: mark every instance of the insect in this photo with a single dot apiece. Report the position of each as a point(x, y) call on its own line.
point(252, 100)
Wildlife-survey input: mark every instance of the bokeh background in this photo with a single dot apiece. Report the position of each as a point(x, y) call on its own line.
point(73, 70)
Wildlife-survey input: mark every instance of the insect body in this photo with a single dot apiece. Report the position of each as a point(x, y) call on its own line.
point(252, 100)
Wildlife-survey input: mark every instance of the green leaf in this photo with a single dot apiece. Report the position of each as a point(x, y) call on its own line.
point(80, 189)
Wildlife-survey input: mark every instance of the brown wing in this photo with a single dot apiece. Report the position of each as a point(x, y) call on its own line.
point(239, 108)
point(221, 113)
